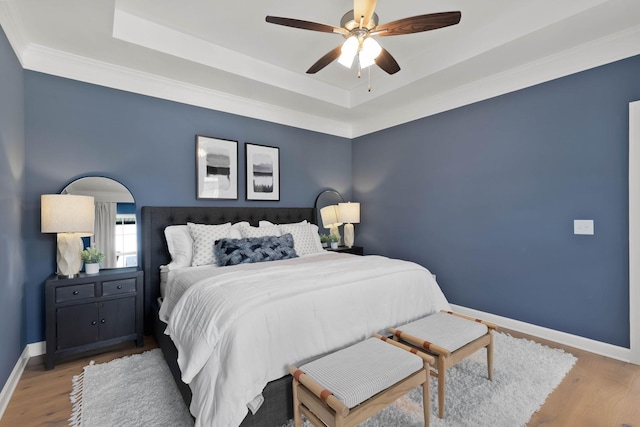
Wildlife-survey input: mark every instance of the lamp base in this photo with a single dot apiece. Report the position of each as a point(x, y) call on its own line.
point(349, 235)
point(68, 255)
point(335, 231)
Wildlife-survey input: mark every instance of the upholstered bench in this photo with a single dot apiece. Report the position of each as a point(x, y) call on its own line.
point(347, 387)
point(450, 337)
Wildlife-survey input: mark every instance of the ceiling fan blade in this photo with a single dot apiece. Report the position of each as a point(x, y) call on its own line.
point(325, 60)
point(418, 24)
point(305, 25)
point(387, 62)
point(365, 9)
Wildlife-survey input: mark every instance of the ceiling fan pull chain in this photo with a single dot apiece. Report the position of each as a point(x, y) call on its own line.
point(369, 79)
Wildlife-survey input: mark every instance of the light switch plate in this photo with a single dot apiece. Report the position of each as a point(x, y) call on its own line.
point(583, 226)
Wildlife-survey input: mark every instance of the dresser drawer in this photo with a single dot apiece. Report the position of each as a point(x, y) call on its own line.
point(75, 292)
point(114, 287)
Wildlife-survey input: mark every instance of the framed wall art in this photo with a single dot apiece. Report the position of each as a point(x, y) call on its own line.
point(263, 172)
point(217, 168)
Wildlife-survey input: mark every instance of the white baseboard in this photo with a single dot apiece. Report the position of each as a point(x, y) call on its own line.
point(597, 347)
point(31, 350)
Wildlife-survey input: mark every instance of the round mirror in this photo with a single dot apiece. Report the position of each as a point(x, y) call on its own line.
point(115, 232)
point(326, 198)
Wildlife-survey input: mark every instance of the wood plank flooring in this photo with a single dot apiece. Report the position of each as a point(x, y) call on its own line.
point(41, 397)
point(597, 392)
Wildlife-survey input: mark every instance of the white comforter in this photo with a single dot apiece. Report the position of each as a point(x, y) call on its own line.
point(237, 328)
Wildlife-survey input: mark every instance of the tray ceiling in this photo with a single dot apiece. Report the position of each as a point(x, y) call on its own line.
point(224, 56)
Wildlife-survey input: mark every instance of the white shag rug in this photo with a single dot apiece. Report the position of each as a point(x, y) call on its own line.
point(524, 374)
point(136, 390)
point(139, 390)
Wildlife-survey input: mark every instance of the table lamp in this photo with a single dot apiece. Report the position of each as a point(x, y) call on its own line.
point(71, 217)
point(329, 216)
point(349, 214)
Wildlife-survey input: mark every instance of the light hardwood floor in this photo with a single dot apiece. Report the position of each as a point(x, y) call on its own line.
point(597, 392)
point(41, 397)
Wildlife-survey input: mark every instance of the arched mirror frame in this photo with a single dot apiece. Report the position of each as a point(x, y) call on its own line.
point(107, 190)
point(325, 198)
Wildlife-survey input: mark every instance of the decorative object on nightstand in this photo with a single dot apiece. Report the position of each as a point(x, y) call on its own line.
point(334, 240)
point(92, 258)
point(324, 240)
point(349, 214)
point(71, 217)
point(89, 312)
point(329, 216)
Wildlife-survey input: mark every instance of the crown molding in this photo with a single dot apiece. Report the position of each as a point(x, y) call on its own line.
point(160, 38)
point(606, 50)
point(14, 28)
point(63, 64)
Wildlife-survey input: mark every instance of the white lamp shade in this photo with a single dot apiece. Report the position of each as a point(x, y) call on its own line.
point(369, 52)
point(72, 217)
point(348, 51)
point(329, 216)
point(66, 213)
point(349, 213)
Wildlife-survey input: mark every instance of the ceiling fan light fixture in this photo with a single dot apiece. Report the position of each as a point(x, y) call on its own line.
point(349, 51)
point(369, 52)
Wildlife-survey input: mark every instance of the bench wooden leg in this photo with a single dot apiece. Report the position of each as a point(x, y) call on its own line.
point(297, 419)
point(441, 384)
point(490, 355)
point(426, 396)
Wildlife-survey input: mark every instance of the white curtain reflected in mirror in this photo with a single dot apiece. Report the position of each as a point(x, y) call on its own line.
point(104, 232)
point(115, 224)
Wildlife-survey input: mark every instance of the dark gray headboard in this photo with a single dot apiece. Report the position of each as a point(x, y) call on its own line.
point(154, 246)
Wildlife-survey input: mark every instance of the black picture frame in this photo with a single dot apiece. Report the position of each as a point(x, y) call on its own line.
point(216, 168)
point(262, 172)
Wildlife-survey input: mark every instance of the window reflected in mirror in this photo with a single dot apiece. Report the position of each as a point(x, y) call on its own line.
point(126, 236)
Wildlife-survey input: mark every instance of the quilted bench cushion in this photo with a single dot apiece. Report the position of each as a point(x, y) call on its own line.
point(360, 371)
point(445, 330)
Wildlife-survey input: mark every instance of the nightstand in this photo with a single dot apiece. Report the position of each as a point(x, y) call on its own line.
point(86, 313)
point(356, 250)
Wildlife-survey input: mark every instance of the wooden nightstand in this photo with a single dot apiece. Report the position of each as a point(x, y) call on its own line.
point(356, 250)
point(89, 312)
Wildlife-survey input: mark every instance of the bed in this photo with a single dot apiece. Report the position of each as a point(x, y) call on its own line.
point(242, 358)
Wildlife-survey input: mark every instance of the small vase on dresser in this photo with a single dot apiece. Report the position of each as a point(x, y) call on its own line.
point(91, 267)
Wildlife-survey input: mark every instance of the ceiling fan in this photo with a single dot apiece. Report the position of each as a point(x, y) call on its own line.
point(358, 27)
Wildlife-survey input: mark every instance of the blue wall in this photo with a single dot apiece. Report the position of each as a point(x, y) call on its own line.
point(485, 196)
point(12, 155)
point(75, 129)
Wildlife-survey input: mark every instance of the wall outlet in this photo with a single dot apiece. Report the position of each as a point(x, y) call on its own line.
point(583, 226)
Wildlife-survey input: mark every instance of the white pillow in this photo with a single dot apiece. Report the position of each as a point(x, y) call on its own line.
point(236, 232)
point(180, 245)
point(267, 230)
point(204, 238)
point(305, 238)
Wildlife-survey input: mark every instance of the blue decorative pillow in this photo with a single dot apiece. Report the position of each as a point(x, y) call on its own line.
point(253, 249)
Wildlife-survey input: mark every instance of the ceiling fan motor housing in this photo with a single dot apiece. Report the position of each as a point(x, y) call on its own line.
point(349, 22)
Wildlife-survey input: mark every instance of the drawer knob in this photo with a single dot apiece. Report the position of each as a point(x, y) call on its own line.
point(94, 323)
point(102, 321)
point(76, 292)
point(119, 286)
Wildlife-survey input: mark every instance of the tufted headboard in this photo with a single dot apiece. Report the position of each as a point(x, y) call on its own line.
point(154, 246)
